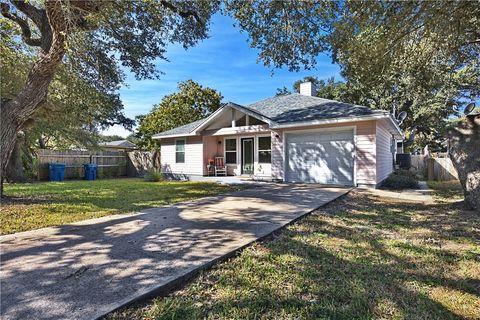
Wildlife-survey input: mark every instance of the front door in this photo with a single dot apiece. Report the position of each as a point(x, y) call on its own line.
point(247, 156)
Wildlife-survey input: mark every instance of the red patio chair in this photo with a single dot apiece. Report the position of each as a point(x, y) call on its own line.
point(220, 168)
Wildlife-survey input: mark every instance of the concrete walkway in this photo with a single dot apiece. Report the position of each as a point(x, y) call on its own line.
point(86, 269)
point(421, 195)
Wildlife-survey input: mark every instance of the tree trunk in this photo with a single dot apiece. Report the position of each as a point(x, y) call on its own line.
point(15, 172)
point(14, 113)
point(464, 151)
point(41, 143)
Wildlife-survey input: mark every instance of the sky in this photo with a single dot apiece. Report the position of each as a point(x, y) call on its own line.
point(224, 62)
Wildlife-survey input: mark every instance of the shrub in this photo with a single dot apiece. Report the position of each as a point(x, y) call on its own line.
point(153, 175)
point(401, 179)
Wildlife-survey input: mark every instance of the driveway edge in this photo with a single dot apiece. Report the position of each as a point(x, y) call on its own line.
point(177, 282)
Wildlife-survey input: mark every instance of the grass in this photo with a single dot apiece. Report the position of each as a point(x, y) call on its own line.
point(445, 191)
point(361, 257)
point(36, 205)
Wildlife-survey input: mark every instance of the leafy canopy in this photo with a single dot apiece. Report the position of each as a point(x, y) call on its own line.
point(420, 56)
point(74, 111)
point(193, 102)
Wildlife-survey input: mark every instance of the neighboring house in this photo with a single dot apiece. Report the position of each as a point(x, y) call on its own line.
point(290, 138)
point(119, 145)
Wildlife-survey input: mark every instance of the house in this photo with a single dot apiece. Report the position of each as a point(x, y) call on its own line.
point(290, 138)
point(118, 145)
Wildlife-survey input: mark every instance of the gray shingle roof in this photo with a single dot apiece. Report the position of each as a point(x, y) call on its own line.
point(291, 108)
point(185, 129)
point(118, 143)
point(296, 107)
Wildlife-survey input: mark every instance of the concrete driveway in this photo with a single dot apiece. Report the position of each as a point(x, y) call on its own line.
point(86, 269)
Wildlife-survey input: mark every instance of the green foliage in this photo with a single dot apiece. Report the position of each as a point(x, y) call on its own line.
point(417, 56)
point(139, 32)
point(133, 139)
point(401, 179)
point(192, 102)
point(102, 38)
point(31, 166)
point(282, 91)
point(106, 138)
point(74, 112)
point(287, 33)
point(153, 175)
point(328, 89)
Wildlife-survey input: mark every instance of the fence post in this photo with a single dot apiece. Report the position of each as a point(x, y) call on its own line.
point(430, 168)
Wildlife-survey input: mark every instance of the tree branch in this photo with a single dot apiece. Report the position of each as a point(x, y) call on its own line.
point(183, 14)
point(22, 23)
point(35, 14)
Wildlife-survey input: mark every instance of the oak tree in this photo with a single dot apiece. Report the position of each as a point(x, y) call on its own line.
point(95, 38)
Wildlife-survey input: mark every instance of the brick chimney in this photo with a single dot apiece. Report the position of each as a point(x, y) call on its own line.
point(308, 89)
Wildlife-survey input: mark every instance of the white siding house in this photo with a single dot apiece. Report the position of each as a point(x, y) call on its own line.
point(292, 138)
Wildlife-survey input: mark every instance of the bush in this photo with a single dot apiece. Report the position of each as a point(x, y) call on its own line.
point(153, 175)
point(401, 179)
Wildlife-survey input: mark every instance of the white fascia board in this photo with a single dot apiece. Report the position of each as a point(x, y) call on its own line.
point(178, 135)
point(208, 120)
point(329, 121)
point(395, 124)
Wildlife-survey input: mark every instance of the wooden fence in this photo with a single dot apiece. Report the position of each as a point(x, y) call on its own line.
point(441, 169)
point(139, 162)
point(110, 164)
point(437, 167)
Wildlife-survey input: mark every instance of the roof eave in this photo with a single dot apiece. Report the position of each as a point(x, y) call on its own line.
point(178, 135)
point(329, 121)
point(397, 127)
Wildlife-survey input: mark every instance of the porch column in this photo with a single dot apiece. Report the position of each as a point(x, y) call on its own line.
point(234, 124)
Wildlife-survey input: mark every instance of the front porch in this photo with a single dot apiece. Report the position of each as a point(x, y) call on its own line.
point(246, 154)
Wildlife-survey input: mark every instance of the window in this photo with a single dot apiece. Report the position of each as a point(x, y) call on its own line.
point(254, 121)
point(230, 151)
point(264, 149)
point(180, 151)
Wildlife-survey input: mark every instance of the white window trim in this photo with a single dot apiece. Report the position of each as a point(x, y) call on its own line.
point(184, 150)
point(225, 150)
point(258, 148)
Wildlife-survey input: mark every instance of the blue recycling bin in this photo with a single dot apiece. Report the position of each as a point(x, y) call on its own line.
point(56, 171)
point(90, 171)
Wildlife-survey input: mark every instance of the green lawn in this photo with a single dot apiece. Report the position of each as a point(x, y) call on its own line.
point(35, 205)
point(361, 257)
point(444, 191)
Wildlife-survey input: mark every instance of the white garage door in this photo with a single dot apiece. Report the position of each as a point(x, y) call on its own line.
point(320, 157)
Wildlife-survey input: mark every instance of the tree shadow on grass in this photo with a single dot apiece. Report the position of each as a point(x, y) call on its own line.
point(358, 258)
